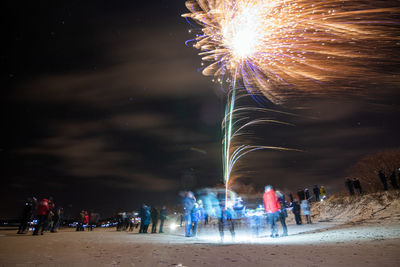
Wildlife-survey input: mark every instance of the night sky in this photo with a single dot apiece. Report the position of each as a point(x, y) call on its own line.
point(103, 108)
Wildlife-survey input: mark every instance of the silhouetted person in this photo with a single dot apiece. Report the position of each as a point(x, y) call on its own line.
point(383, 179)
point(163, 217)
point(300, 194)
point(56, 220)
point(393, 181)
point(41, 215)
point(154, 220)
point(272, 208)
point(296, 212)
point(291, 197)
point(282, 213)
point(307, 194)
point(316, 192)
point(26, 216)
point(349, 186)
point(357, 186)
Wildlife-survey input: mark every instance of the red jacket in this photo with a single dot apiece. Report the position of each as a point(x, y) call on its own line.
point(86, 219)
point(43, 207)
point(271, 203)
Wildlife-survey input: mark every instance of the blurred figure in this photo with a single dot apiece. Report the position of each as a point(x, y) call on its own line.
point(254, 218)
point(322, 192)
point(282, 213)
point(26, 216)
point(188, 204)
point(393, 181)
point(349, 186)
point(357, 186)
point(307, 193)
point(81, 219)
point(56, 220)
point(163, 217)
point(182, 219)
point(296, 212)
point(93, 220)
point(291, 198)
point(196, 216)
point(272, 208)
point(41, 215)
point(142, 216)
point(146, 219)
point(305, 209)
point(225, 217)
point(300, 194)
point(85, 220)
point(154, 220)
point(316, 193)
point(383, 179)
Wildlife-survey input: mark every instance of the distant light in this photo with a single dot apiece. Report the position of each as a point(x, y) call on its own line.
point(173, 226)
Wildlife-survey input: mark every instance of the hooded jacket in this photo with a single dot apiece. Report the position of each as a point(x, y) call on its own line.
point(271, 203)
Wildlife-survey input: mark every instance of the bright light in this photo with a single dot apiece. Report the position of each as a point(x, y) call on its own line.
point(241, 33)
point(173, 226)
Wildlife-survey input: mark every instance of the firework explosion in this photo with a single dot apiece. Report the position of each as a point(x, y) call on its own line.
point(283, 47)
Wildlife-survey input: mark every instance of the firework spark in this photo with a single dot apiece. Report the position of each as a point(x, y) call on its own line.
point(284, 47)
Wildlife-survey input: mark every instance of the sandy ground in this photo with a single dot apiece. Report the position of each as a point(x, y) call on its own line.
point(318, 244)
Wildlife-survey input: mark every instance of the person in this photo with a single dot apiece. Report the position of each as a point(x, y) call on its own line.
point(196, 215)
point(271, 207)
point(142, 216)
point(296, 212)
point(300, 194)
point(322, 192)
point(26, 216)
point(357, 186)
point(188, 204)
point(93, 220)
point(393, 181)
point(154, 220)
point(316, 193)
point(282, 213)
point(42, 215)
point(306, 193)
point(163, 217)
point(382, 177)
point(305, 209)
point(146, 219)
point(56, 219)
point(225, 217)
point(291, 198)
point(349, 186)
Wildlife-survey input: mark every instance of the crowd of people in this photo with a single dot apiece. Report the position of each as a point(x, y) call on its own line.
point(152, 215)
point(353, 186)
point(45, 212)
point(274, 211)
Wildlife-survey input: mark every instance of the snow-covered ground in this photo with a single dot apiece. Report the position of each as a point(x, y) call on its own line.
point(340, 236)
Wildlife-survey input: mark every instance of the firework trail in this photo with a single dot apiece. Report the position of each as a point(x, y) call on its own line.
point(284, 48)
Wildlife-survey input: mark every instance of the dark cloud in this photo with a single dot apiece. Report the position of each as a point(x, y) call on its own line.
point(111, 111)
